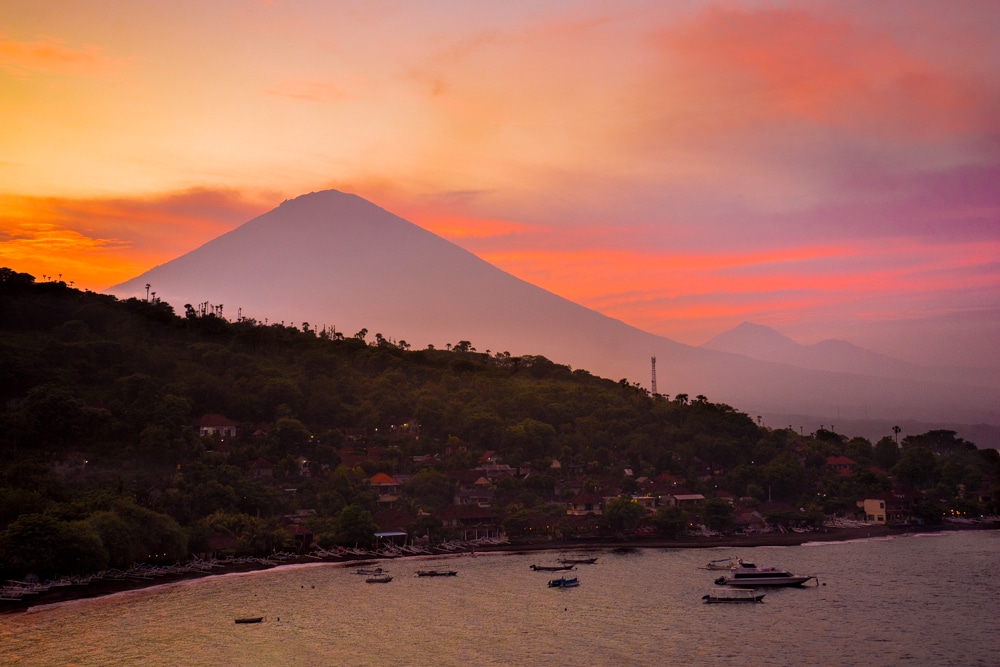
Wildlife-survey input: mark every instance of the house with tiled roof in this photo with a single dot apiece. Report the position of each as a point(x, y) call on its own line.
point(471, 520)
point(841, 465)
point(585, 503)
point(215, 424)
point(681, 499)
point(386, 488)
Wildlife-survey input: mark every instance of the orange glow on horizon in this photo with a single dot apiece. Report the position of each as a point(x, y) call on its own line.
point(96, 243)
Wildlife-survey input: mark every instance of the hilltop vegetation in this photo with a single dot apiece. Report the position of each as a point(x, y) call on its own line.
point(102, 465)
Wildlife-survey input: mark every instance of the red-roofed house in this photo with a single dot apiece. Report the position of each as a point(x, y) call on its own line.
point(213, 424)
point(586, 503)
point(840, 465)
point(387, 488)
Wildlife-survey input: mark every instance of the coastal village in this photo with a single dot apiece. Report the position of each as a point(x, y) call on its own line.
point(471, 522)
point(472, 514)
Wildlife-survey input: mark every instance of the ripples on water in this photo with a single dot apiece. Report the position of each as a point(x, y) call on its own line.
point(910, 600)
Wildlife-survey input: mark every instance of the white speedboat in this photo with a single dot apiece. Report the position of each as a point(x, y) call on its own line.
point(748, 575)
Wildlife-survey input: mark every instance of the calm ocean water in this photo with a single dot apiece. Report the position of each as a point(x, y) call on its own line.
point(909, 600)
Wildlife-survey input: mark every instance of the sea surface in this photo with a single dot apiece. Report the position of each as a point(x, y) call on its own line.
point(930, 599)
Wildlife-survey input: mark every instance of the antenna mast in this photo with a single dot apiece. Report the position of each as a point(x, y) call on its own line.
point(652, 385)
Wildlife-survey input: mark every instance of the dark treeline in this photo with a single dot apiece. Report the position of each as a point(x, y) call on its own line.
point(102, 464)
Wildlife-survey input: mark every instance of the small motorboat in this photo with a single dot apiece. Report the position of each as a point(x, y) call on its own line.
point(551, 568)
point(436, 573)
point(379, 579)
point(250, 619)
point(369, 571)
point(564, 582)
point(733, 595)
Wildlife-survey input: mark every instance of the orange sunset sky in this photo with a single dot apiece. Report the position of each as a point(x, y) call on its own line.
point(830, 169)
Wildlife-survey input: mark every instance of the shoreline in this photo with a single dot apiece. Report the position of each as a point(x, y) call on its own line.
point(69, 592)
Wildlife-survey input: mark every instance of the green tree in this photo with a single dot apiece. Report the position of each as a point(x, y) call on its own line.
point(622, 514)
point(47, 547)
point(917, 467)
point(355, 526)
point(717, 514)
point(430, 490)
point(670, 521)
point(886, 453)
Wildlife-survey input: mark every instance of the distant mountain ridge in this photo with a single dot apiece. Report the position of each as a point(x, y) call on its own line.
point(334, 259)
point(766, 344)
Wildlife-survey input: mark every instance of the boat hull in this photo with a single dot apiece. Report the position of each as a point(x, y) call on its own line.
point(563, 582)
point(725, 596)
point(772, 582)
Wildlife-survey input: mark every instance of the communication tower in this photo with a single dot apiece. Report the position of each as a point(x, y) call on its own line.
point(652, 384)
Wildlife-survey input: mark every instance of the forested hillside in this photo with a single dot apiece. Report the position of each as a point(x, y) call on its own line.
point(102, 463)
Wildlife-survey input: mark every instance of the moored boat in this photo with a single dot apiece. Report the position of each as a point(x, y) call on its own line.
point(721, 564)
point(748, 575)
point(379, 579)
point(564, 582)
point(436, 573)
point(578, 561)
point(551, 568)
point(371, 571)
point(733, 595)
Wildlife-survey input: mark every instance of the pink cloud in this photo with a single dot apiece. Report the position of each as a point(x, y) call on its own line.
point(54, 57)
point(823, 67)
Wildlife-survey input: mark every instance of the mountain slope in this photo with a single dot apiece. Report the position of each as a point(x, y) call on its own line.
point(334, 259)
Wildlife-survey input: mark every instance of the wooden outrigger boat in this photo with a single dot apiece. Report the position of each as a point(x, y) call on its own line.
point(578, 561)
point(733, 595)
point(564, 582)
